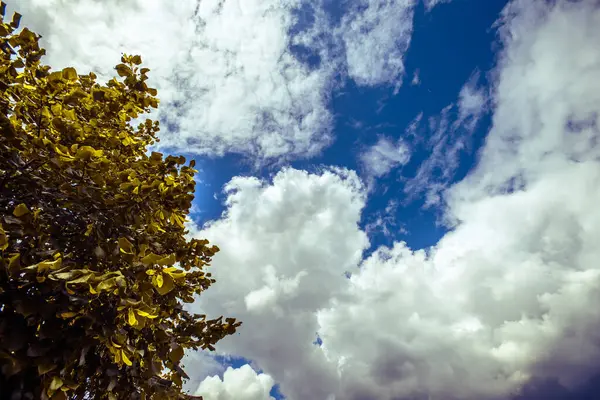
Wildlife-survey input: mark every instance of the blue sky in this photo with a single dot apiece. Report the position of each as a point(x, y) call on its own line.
point(449, 44)
point(405, 192)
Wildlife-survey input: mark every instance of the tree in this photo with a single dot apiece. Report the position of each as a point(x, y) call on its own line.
point(94, 264)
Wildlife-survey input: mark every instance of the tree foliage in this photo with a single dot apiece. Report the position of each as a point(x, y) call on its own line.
point(94, 265)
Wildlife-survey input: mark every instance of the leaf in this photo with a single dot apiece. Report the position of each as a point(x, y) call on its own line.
point(131, 317)
point(89, 229)
point(151, 259)
point(146, 314)
point(20, 210)
point(16, 20)
point(68, 314)
point(158, 280)
point(56, 383)
point(14, 262)
point(176, 354)
point(125, 246)
point(48, 265)
point(69, 74)
point(44, 367)
point(3, 239)
point(168, 260)
point(126, 359)
point(137, 60)
point(123, 70)
point(167, 286)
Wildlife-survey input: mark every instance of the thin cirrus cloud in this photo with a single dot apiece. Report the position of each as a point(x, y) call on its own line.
point(450, 136)
point(383, 156)
point(507, 297)
point(243, 92)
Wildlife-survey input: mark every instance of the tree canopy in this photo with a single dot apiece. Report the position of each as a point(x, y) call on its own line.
point(94, 263)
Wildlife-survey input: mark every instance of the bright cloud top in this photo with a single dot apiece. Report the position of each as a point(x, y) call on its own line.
point(242, 92)
point(376, 34)
point(510, 294)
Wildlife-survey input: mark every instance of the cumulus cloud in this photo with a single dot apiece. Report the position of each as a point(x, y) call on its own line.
point(288, 246)
point(241, 92)
point(509, 295)
point(386, 154)
point(237, 384)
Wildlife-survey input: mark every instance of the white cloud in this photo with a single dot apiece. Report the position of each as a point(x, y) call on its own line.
point(430, 4)
point(450, 133)
point(238, 384)
point(416, 80)
point(379, 159)
point(510, 293)
point(376, 34)
point(472, 104)
point(286, 248)
point(239, 92)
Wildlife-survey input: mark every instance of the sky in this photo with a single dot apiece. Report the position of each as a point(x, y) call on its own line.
point(405, 193)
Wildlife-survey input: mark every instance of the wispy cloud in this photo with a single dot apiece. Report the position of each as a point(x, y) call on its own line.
point(450, 133)
point(376, 34)
point(386, 154)
point(416, 80)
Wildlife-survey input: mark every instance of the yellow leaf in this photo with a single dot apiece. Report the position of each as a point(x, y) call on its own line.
point(126, 359)
point(87, 152)
point(168, 260)
point(3, 238)
point(89, 229)
point(92, 290)
point(167, 286)
point(137, 60)
point(13, 262)
point(123, 70)
point(49, 265)
point(159, 280)
point(150, 259)
point(68, 314)
point(69, 74)
point(146, 314)
point(56, 383)
point(125, 246)
point(136, 190)
point(20, 210)
point(131, 317)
